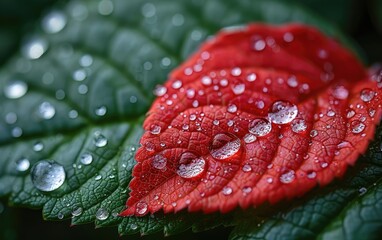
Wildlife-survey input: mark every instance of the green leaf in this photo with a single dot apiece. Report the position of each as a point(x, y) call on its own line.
point(92, 81)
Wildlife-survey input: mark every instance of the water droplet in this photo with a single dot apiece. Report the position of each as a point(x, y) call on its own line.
point(313, 133)
point(46, 110)
point(236, 72)
point(232, 108)
point(101, 111)
point(105, 7)
point(288, 37)
point(283, 112)
point(73, 114)
point(260, 127)
point(141, 208)
point(177, 20)
point(206, 81)
point(362, 191)
point(86, 158)
point(367, 95)
point(102, 214)
point(269, 180)
point(350, 113)
point(238, 88)
point(54, 22)
point(259, 45)
point(247, 168)
point(79, 75)
point(324, 164)
point(15, 89)
point(86, 60)
point(83, 89)
point(16, 132)
point(331, 113)
point(60, 215)
point(77, 212)
point(251, 77)
point(247, 190)
point(224, 146)
point(298, 125)
point(60, 94)
point(98, 177)
point(177, 84)
point(227, 191)
point(22, 164)
point(159, 162)
point(35, 48)
point(249, 138)
point(38, 147)
point(47, 176)
point(133, 226)
point(311, 175)
point(160, 90)
point(292, 82)
point(341, 93)
point(99, 139)
point(155, 129)
point(357, 126)
point(190, 166)
point(11, 118)
point(287, 177)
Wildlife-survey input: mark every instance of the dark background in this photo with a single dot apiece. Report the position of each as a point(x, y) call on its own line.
point(360, 20)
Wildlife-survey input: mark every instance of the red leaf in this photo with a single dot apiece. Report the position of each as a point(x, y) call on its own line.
point(260, 114)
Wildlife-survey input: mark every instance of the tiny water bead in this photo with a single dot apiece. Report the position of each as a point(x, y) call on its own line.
point(86, 158)
point(287, 177)
point(260, 127)
point(38, 147)
point(238, 88)
point(367, 95)
point(311, 175)
point(46, 110)
point(101, 111)
point(247, 168)
point(160, 90)
point(35, 48)
point(47, 176)
point(251, 77)
point(224, 145)
point(227, 190)
point(190, 165)
point(341, 93)
point(249, 138)
point(77, 212)
point(283, 112)
point(99, 139)
point(159, 162)
point(17, 132)
point(232, 108)
point(141, 208)
point(259, 45)
point(15, 89)
point(54, 22)
point(102, 214)
point(298, 125)
point(155, 129)
point(79, 75)
point(10, 118)
point(357, 126)
point(22, 164)
point(313, 133)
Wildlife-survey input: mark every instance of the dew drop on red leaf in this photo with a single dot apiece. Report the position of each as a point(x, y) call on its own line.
point(257, 115)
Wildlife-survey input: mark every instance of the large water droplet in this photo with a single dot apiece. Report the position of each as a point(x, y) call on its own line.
point(141, 208)
point(35, 48)
point(15, 89)
point(102, 214)
point(298, 125)
point(54, 22)
point(190, 165)
point(357, 126)
point(367, 95)
point(22, 164)
point(283, 112)
point(47, 176)
point(86, 158)
point(159, 162)
point(224, 146)
point(46, 110)
point(260, 127)
point(99, 139)
point(287, 177)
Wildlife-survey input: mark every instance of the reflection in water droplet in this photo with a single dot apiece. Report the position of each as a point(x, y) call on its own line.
point(283, 112)
point(299, 125)
point(159, 162)
point(54, 22)
point(287, 177)
point(227, 191)
point(141, 208)
point(38, 147)
point(367, 95)
point(35, 48)
point(77, 212)
point(190, 166)
point(102, 214)
point(47, 176)
point(15, 89)
point(99, 139)
point(105, 7)
point(46, 110)
point(22, 164)
point(260, 127)
point(357, 126)
point(86, 158)
point(101, 111)
point(224, 145)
